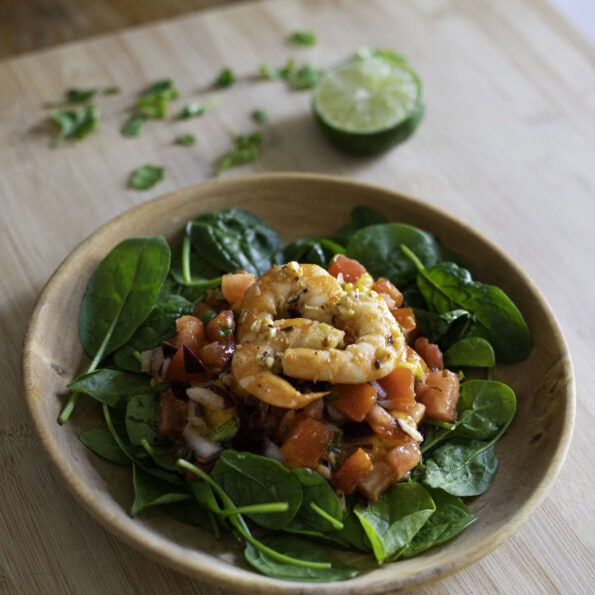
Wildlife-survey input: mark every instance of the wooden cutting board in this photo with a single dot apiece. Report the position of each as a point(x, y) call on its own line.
point(506, 145)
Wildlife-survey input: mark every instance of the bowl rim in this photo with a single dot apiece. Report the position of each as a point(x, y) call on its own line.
point(149, 543)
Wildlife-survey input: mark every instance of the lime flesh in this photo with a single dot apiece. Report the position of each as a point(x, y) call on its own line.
point(369, 105)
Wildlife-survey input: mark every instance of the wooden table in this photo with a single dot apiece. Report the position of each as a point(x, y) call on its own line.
point(506, 145)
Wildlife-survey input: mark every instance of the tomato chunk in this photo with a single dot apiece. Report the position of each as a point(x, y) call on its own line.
point(439, 392)
point(307, 444)
point(179, 371)
point(406, 319)
point(351, 269)
point(222, 325)
point(234, 285)
point(404, 458)
point(399, 387)
point(190, 331)
point(353, 400)
point(430, 352)
point(352, 471)
point(374, 483)
point(385, 287)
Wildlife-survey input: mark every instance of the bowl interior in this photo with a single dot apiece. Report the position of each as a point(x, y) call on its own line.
point(297, 206)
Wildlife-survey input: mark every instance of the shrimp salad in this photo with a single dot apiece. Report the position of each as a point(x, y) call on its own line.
point(310, 397)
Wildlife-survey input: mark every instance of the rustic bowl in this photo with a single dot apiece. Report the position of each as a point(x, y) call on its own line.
point(298, 205)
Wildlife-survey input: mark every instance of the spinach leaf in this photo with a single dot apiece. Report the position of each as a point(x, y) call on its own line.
point(235, 239)
point(486, 408)
point(392, 522)
point(150, 491)
point(472, 352)
point(159, 326)
point(448, 286)
point(141, 419)
point(378, 248)
point(314, 251)
point(318, 492)
point(199, 269)
point(360, 217)
point(121, 294)
point(109, 386)
point(146, 176)
point(187, 512)
point(444, 329)
point(461, 468)
point(100, 441)
point(449, 519)
point(300, 549)
point(252, 479)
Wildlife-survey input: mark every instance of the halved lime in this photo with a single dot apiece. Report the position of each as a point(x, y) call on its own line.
point(369, 104)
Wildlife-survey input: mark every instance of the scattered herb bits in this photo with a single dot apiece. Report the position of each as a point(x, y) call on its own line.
point(154, 102)
point(113, 90)
point(304, 39)
point(80, 95)
point(245, 149)
point(133, 127)
point(195, 109)
point(75, 124)
point(260, 116)
point(186, 139)
point(146, 176)
point(225, 78)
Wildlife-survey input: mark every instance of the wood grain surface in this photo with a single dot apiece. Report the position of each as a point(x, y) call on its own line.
point(506, 146)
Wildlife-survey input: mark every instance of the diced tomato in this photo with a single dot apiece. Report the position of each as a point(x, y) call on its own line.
point(399, 387)
point(220, 326)
point(416, 411)
point(406, 319)
point(217, 355)
point(352, 471)
point(171, 415)
point(374, 483)
point(233, 287)
point(404, 458)
point(351, 269)
point(384, 286)
point(353, 400)
point(383, 423)
point(307, 444)
point(439, 392)
point(190, 331)
point(431, 353)
point(205, 312)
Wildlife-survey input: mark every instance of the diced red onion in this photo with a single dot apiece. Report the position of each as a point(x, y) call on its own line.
point(272, 451)
point(202, 449)
point(380, 392)
point(206, 397)
point(192, 363)
point(168, 349)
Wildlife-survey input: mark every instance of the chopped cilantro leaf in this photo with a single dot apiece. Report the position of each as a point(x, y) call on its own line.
point(76, 123)
point(260, 116)
point(186, 139)
point(302, 39)
point(225, 78)
point(133, 126)
point(278, 74)
point(305, 77)
point(153, 103)
point(245, 149)
point(196, 109)
point(114, 90)
point(145, 177)
point(80, 95)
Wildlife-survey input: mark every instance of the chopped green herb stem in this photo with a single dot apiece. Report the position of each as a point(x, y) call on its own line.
point(186, 139)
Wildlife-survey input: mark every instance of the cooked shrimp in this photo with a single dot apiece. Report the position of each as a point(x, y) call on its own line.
point(287, 291)
point(256, 363)
point(378, 346)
